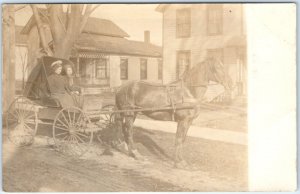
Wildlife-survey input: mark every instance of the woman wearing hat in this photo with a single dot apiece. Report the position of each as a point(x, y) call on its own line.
point(59, 86)
point(75, 91)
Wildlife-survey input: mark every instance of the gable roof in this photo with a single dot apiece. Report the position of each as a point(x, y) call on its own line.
point(116, 45)
point(21, 39)
point(93, 25)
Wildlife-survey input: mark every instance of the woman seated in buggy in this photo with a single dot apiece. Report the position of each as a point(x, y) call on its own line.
point(62, 88)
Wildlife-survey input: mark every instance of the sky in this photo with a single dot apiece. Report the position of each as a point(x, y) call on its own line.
point(132, 18)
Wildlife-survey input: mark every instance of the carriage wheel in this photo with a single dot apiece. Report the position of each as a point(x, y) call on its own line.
point(70, 131)
point(21, 122)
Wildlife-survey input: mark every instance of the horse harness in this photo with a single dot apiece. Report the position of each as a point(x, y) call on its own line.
point(170, 89)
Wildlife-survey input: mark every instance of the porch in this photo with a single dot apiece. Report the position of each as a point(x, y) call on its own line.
point(91, 70)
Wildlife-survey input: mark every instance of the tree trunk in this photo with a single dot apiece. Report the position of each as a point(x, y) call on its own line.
point(42, 33)
point(8, 56)
point(65, 29)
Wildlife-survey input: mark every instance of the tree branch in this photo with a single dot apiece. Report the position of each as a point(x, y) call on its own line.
point(88, 11)
point(20, 7)
point(41, 30)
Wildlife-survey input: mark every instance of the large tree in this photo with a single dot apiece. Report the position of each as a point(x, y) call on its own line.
point(65, 27)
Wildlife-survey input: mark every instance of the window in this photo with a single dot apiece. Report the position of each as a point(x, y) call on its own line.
point(214, 19)
point(159, 69)
point(143, 69)
point(215, 53)
point(124, 69)
point(183, 62)
point(101, 69)
point(183, 23)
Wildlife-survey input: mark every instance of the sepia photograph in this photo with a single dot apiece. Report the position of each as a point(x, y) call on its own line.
point(137, 97)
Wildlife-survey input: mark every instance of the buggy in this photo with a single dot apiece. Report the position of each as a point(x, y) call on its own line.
point(72, 127)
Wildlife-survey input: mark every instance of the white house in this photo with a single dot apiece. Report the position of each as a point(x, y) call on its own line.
point(192, 32)
point(103, 55)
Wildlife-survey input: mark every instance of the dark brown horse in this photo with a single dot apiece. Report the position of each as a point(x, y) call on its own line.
point(185, 92)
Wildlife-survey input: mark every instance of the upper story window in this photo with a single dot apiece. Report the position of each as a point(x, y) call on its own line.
point(124, 69)
point(183, 23)
point(214, 19)
point(143, 69)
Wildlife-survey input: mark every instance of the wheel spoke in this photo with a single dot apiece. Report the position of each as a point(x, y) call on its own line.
point(79, 138)
point(29, 116)
point(78, 133)
point(64, 129)
point(74, 115)
point(13, 115)
point(69, 116)
point(65, 137)
point(62, 123)
point(11, 119)
point(28, 128)
point(65, 117)
point(17, 112)
point(79, 117)
point(59, 134)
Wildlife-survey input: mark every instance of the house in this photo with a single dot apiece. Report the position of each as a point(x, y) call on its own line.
point(193, 32)
point(103, 56)
point(21, 54)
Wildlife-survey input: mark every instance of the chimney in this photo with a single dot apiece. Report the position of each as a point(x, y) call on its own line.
point(147, 36)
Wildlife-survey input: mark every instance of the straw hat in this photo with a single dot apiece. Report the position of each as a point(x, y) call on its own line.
point(56, 64)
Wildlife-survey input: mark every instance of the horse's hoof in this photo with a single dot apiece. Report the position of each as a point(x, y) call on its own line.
point(107, 152)
point(136, 155)
point(122, 147)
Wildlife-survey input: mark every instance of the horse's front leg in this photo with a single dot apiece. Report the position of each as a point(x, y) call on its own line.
point(182, 128)
point(128, 135)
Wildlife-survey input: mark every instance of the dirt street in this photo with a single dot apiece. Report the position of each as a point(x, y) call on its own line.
point(217, 166)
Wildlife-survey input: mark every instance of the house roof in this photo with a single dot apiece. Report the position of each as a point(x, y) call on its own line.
point(117, 45)
point(93, 25)
point(21, 39)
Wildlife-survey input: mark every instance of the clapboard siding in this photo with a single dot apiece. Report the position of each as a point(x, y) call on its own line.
point(199, 41)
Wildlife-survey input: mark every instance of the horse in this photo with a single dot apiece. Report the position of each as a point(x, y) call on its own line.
point(184, 92)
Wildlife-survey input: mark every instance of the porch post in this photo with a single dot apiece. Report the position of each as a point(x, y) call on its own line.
point(77, 66)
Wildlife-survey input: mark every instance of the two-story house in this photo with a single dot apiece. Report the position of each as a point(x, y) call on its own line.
point(193, 32)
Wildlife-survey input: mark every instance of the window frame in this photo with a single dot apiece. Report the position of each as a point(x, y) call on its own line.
point(180, 29)
point(143, 75)
point(219, 9)
point(97, 63)
point(122, 68)
point(159, 69)
point(188, 52)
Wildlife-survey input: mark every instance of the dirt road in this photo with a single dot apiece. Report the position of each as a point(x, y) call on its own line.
point(219, 167)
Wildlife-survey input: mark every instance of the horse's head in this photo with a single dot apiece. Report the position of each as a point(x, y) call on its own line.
point(216, 72)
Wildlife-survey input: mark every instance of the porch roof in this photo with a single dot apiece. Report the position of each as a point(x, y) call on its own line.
point(116, 45)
